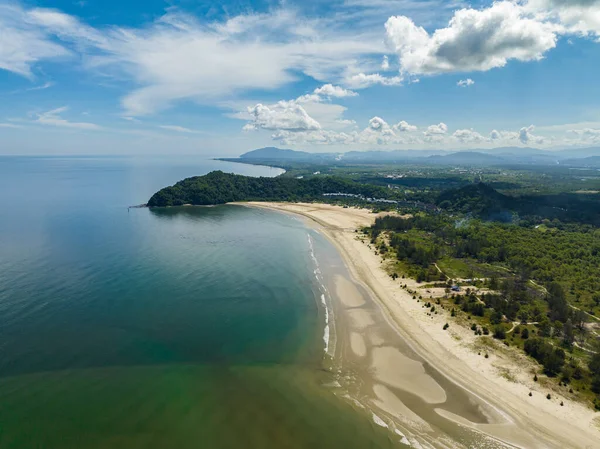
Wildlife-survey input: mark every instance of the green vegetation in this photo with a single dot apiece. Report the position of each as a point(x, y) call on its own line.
point(536, 289)
point(481, 200)
point(220, 188)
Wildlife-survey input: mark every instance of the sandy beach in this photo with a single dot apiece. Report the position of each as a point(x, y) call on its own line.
point(498, 387)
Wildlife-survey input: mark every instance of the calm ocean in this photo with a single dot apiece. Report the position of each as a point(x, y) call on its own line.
point(177, 328)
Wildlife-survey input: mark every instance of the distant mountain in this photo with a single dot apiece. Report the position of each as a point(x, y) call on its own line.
point(466, 158)
point(493, 156)
point(579, 153)
point(586, 162)
point(388, 156)
point(276, 154)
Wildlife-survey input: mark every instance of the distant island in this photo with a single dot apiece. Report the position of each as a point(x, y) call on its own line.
point(218, 187)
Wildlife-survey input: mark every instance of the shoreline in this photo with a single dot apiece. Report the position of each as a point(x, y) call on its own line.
point(450, 352)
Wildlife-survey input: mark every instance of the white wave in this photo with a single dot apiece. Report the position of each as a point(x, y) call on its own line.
point(380, 422)
point(318, 276)
point(404, 440)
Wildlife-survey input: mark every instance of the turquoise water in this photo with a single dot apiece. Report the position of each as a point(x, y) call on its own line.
point(190, 327)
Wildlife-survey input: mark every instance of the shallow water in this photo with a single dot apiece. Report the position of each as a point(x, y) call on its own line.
point(190, 327)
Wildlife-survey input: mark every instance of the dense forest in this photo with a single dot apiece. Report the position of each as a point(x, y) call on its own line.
point(220, 188)
point(483, 201)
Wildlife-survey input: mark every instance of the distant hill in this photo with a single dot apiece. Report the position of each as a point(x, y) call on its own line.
point(481, 157)
point(586, 162)
point(466, 158)
point(579, 153)
point(273, 153)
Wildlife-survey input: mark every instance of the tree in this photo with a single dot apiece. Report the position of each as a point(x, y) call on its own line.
point(559, 309)
point(525, 333)
point(579, 320)
point(594, 364)
point(499, 332)
point(554, 362)
point(496, 317)
point(493, 283)
point(544, 327)
point(568, 334)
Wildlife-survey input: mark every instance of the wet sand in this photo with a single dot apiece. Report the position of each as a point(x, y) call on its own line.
point(423, 383)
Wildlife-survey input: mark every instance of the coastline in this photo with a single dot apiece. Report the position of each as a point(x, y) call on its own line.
point(520, 421)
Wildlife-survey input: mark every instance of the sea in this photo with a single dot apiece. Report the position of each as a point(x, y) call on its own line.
point(192, 327)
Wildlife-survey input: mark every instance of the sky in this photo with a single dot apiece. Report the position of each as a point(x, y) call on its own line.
point(221, 78)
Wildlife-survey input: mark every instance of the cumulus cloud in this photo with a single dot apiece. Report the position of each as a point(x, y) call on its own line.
point(586, 132)
point(468, 136)
point(317, 137)
point(586, 136)
point(284, 115)
point(53, 118)
point(474, 40)
point(438, 129)
point(329, 90)
point(465, 83)
point(577, 16)
point(526, 136)
point(404, 127)
point(362, 80)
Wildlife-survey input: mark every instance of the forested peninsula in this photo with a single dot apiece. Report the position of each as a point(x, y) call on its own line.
point(218, 187)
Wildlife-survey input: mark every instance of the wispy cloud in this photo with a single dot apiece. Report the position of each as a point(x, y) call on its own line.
point(24, 44)
point(177, 57)
point(40, 87)
point(53, 118)
point(10, 125)
point(180, 129)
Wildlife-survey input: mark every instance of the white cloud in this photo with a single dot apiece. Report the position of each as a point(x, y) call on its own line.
point(177, 57)
point(468, 136)
point(284, 115)
point(404, 127)
point(465, 83)
point(577, 16)
point(10, 125)
point(329, 90)
point(377, 132)
point(385, 63)
point(474, 40)
point(53, 118)
point(438, 129)
point(362, 80)
point(526, 136)
point(317, 137)
point(586, 132)
point(24, 44)
point(179, 129)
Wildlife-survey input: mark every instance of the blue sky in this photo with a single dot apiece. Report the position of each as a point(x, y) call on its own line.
point(221, 78)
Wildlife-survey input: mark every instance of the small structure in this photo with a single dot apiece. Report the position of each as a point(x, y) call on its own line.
point(455, 288)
